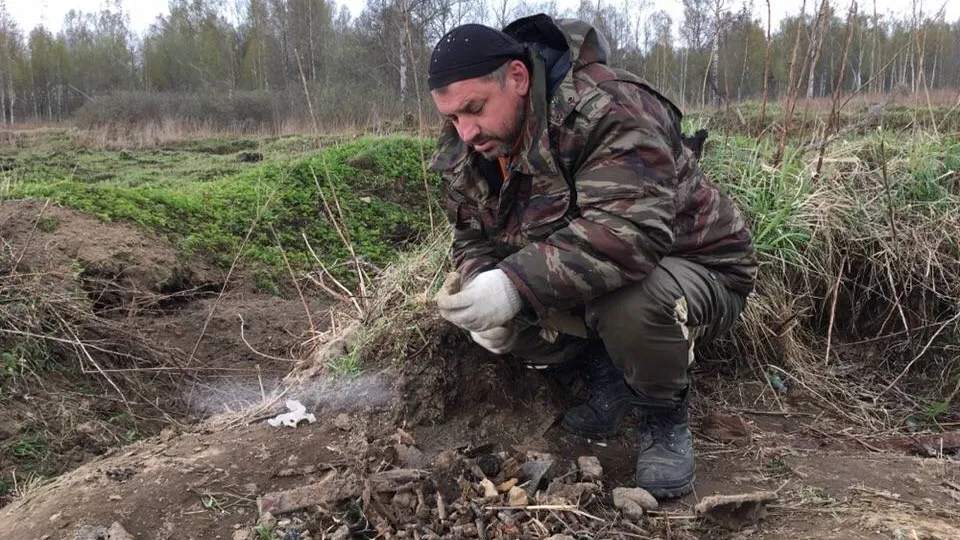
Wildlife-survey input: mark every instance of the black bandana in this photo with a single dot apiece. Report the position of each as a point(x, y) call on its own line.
point(470, 51)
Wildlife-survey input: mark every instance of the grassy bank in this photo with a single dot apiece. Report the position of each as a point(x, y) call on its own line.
point(202, 198)
point(857, 301)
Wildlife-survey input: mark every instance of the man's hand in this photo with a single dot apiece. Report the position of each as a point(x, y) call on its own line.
point(490, 300)
point(498, 340)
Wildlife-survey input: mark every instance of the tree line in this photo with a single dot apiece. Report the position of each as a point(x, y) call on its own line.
point(282, 57)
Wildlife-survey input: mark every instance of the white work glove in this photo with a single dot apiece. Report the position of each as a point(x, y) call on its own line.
point(498, 340)
point(490, 300)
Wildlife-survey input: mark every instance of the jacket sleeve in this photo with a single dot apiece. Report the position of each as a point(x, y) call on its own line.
point(625, 182)
point(471, 250)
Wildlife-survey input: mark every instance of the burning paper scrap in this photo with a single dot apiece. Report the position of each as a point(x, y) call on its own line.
point(292, 419)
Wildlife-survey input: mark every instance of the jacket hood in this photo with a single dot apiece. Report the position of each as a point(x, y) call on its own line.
point(584, 43)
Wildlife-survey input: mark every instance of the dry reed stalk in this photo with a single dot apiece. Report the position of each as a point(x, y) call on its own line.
point(793, 86)
point(420, 124)
point(834, 120)
point(766, 73)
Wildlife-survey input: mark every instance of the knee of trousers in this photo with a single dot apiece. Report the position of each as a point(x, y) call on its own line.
point(655, 308)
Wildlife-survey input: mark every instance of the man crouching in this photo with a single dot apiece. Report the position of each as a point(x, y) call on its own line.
point(584, 230)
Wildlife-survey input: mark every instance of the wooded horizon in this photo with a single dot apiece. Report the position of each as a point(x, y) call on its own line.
point(196, 63)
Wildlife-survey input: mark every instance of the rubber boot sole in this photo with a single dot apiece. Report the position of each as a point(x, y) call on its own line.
point(673, 490)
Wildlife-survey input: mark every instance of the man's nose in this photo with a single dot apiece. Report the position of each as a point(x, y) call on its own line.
point(468, 130)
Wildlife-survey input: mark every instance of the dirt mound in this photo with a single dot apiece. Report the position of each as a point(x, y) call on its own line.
point(112, 335)
point(120, 257)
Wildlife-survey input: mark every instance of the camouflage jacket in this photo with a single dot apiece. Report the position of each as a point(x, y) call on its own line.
point(640, 193)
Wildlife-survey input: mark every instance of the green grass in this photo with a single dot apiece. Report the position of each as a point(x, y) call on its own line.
point(347, 365)
point(156, 167)
point(922, 173)
point(205, 202)
point(21, 355)
point(29, 449)
point(771, 198)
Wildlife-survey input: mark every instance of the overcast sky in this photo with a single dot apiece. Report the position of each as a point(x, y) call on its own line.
point(30, 13)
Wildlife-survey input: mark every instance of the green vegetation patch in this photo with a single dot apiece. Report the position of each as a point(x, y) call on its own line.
point(378, 184)
point(773, 199)
point(787, 206)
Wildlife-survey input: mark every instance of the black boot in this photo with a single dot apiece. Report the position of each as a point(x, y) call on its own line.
point(610, 398)
point(665, 465)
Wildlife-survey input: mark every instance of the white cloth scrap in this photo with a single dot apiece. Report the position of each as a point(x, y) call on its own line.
point(291, 419)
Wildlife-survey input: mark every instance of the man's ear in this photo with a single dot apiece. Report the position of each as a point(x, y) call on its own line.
point(519, 77)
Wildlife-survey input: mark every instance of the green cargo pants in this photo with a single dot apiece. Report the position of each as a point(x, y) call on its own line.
point(649, 328)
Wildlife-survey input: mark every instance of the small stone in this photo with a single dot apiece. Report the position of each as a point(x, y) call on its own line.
point(489, 464)
point(242, 534)
point(517, 497)
point(506, 486)
point(115, 497)
point(590, 468)
point(410, 456)
point(117, 532)
point(166, 434)
point(55, 517)
point(445, 460)
point(404, 499)
point(489, 490)
point(634, 501)
point(342, 421)
point(561, 493)
point(534, 470)
point(267, 520)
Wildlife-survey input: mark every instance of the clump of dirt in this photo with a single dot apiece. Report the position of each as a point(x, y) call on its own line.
point(111, 334)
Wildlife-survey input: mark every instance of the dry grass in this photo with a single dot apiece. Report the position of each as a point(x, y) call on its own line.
point(399, 299)
point(863, 314)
